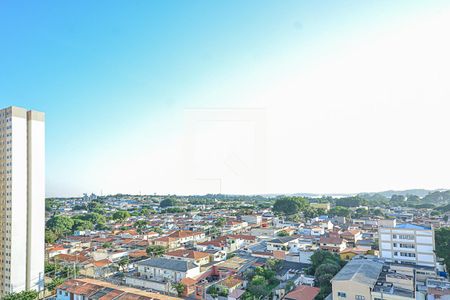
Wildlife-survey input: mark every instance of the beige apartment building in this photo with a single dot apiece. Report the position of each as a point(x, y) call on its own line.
point(356, 280)
point(372, 279)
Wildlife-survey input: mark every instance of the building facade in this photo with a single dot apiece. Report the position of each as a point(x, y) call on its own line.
point(408, 243)
point(22, 200)
point(159, 273)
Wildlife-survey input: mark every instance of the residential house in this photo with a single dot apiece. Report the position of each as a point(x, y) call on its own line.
point(303, 292)
point(188, 236)
point(199, 258)
point(282, 243)
point(56, 250)
point(159, 273)
point(352, 236)
point(79, 289)
point(332, 244)
point(167, 242)
point(98, 269)
point(252, 219)
point(233, 226)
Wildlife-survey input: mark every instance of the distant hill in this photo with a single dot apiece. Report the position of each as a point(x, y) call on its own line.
point(373, 196)
point(444, 209)
point(437, 198)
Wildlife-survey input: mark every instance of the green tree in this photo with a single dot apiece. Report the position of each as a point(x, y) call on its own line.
point(95, 206)
point(321, 256)
point(259, 280)
point(107, 245)
point(220, 222)
point(50, 204)
point(282, 233)
point(340, 211)
point(442, 236)
point(324, 266)
point(123, 262)
point(52, 285)
point(79, 224)
point(49, 267)
point(147, 212)
point(311, 212)
point(289, 286)
point(50, 236)
point(289, 205)
point(413, 199)
point(325, 290)
point(121, 215)
point(157, 230)
point(94, 218)
point(156, 250)
point(361, 212)
point(179, 287)
point(60, 225)
point(273, 264)
point(351, 201)
point(79, 207)
point(327, 268)
point(140, 225)
point(25, 295)
point(168, 202)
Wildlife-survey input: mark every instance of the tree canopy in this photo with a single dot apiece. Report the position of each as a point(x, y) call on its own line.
point(60, 225)
point(168, 202)
point(290, 205)
point(156, 250)
point(442, 236)
point(351, 201)
point(121, 215)
point(25, 295)
point(324, 266)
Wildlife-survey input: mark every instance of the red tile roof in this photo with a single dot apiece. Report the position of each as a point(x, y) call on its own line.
point(188, 254)
point(303, 292)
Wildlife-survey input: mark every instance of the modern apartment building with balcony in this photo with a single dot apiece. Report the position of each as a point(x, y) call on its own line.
point(408, 243)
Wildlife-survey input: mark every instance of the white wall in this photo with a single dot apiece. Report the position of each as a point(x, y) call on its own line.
point(36, 203)
point(424, 239)
point(18, 205)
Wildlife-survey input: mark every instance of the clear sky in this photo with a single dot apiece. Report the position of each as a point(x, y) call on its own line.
point(233, 96)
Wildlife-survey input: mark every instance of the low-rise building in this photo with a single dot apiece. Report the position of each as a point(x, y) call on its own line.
point(303, 292)
point(356, 280)
point(77, 289)
point(332, 244)
point(197, 257)
point(159, 273)
point(408, 243)
point(281, 243)
point(252, 219)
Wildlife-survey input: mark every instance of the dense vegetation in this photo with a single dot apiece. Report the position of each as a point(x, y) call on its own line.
point(290, 205)
point(442, 236)
point(25, 295)
point(324, 266)
point(262, 280)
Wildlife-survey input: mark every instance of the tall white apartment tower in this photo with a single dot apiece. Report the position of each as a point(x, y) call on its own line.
point(22, 200)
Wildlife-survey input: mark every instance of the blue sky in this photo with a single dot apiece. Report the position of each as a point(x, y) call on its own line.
point(117, 78)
